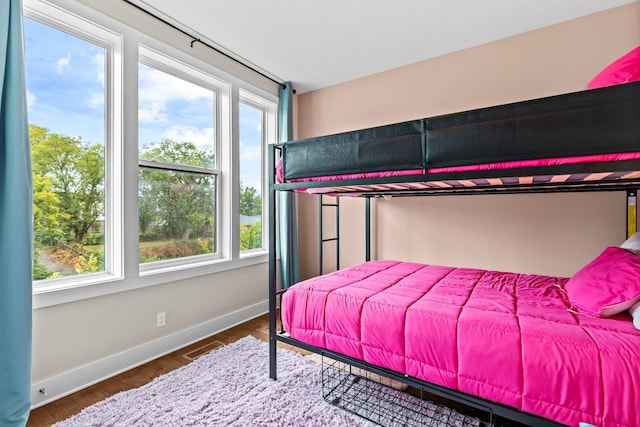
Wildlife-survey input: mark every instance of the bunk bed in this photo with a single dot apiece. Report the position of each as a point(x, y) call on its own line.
point(555, 360)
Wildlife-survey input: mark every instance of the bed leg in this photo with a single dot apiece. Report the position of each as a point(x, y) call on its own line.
point(272, 264)
point(367, 229)
point(273, 365)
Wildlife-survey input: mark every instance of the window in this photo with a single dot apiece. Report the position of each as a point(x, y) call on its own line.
point(69, 89)
point(178, 174)
point(257, 125)
point(182, 132)
point(251, 172)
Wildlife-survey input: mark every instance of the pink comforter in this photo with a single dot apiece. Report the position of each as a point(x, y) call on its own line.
point(504, 337)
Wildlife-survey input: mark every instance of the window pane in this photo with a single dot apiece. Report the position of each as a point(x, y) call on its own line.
point(176, 214)
point(65, 95)
point(176, 127)
point(176, 112)
point(251, 146)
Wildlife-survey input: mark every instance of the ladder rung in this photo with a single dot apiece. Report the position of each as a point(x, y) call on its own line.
point(335, 205)
point(330, 240)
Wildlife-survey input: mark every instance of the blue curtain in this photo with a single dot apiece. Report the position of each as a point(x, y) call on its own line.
point(288, 237)
point(16, 205)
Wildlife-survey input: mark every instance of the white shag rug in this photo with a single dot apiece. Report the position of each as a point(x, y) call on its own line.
point(228, 387)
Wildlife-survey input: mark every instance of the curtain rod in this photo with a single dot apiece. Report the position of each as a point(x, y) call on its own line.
point(197, 40)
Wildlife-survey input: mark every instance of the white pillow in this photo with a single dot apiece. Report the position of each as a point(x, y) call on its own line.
point(635, 313)
point(632, 242)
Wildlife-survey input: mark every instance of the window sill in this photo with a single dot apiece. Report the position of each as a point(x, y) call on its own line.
point(75, 290)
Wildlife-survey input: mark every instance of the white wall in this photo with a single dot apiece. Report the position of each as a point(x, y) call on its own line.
point(82, 342)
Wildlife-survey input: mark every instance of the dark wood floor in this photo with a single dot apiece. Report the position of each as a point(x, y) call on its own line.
point(67, 406)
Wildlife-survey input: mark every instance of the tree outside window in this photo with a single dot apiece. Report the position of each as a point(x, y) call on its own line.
point(251, 160)
point(177, 178)
point(68, 151)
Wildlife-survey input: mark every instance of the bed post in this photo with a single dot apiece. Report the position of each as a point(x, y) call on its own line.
point(320, 238)
point(367, 228)
point(273, 370)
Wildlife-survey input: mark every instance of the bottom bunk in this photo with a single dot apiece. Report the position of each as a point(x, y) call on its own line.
point(511, 342)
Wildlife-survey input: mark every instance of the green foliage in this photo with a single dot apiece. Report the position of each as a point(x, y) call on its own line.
point(40, 272)
point(68, 196)
point(176, 205)
point(87, 264)
point(92, 239)
point(180, 153)
point(250, 205)
point(68, 180)
point(251, 236)
point(176, 209)
point(250, 201)
point(175, 249)
point(46, 212)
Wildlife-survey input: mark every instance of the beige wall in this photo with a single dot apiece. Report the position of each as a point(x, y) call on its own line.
point(547, 234)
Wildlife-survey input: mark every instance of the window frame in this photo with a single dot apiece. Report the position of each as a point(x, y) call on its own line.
point(172, 66)
point(268, 137)
point(76, 26)
point(122, 164)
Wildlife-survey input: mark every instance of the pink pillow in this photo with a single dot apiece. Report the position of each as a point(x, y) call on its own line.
point(623, 70)
point(608, 285)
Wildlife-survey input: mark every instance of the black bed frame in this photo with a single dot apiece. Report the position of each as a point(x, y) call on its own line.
point(600, 121)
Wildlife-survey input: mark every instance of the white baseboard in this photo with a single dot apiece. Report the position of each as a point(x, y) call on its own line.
point(84, 376)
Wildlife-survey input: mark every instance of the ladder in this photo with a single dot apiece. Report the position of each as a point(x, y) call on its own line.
point(336, 238)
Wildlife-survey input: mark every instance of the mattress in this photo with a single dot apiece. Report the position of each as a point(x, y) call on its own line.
point(505, 337)
point(426, 182)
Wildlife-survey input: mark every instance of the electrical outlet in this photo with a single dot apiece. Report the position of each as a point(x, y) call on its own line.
point(161, 319)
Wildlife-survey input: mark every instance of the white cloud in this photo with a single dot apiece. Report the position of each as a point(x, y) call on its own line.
point(250, 152)
point(63, 63)
point(202, 138)
point(157, 89)
point(152, 113)
point(96, 100)
point(255, 184)
point(31, 100)
point(256, 124)
point(98, 63)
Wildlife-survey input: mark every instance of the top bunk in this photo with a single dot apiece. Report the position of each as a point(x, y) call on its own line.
point(580, 141)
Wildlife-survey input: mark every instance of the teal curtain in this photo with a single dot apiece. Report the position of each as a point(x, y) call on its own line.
point(288, 237)
point(16, 220)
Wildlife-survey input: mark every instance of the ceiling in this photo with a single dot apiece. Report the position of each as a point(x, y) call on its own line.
point(315, 44)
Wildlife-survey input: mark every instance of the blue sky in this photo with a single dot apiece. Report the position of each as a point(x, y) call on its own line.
point(65, 94)
point(65, 83)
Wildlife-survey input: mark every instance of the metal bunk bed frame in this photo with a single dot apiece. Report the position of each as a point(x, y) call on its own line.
point(495, 411)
